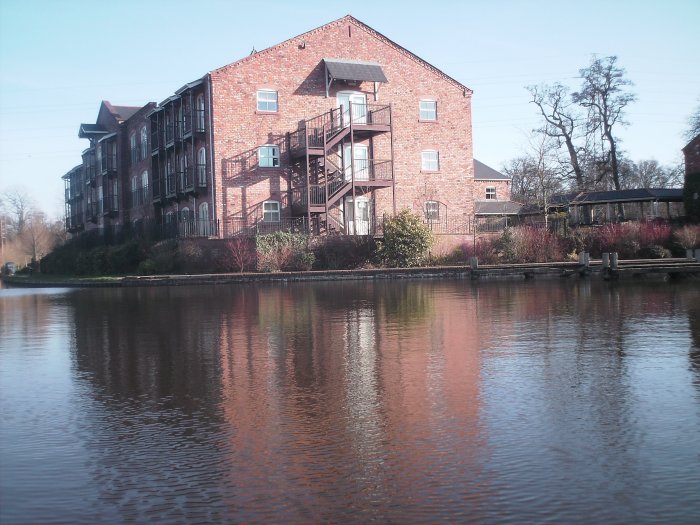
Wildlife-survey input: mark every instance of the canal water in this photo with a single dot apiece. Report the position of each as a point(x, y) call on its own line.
point(352, 402)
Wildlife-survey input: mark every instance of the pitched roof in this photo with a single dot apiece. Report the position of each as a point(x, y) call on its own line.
point(497, 207)
point(121, 113)
point(484, 172)
point(604, 197)
point(354, 70)
point(351, 20)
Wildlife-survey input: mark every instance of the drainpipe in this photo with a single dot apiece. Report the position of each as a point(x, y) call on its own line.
point(211, 151)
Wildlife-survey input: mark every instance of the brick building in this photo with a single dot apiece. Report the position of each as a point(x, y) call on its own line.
point(329, 131)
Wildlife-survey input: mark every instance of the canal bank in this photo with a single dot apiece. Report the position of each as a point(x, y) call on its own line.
point(630, 269)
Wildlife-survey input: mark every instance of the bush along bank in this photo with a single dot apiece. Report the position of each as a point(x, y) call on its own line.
point(406, 243)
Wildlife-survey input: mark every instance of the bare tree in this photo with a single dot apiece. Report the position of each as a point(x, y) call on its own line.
point(18, 207)
point(535, 175)
point(604, 92)
point(562, 122)
point(693, 125)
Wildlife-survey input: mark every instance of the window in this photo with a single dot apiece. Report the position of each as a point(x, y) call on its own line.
point(430, 160)
point(268, 156)
point(432, 210)
point(199, 105)
point(202, 167)
point(144, 179)
point(491, 193)
point(267, 101)
point(144, 143)
point(428, 110)
point(271, 211)
point(132, 148)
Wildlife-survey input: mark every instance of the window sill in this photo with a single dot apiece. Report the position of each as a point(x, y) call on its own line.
point(423, 121)
point(268, 113)
point(430, 171)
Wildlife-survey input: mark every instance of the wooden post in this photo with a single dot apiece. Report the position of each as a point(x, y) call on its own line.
point(613, 261)
point(606, 260)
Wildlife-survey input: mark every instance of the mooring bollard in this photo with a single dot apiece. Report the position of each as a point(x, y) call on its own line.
point(613, 260)
point(473, 263)
point(606, 260)
point(584, 258)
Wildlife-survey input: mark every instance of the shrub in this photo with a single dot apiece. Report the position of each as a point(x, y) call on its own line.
point(688, 237)
point(283, 251)
point(343, 252)
point(485, 250)
point(239, 253)
point(654, 234)
point(406, 240)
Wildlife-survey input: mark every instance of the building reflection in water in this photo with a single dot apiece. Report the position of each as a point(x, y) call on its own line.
point(350, 395)
point(354, 401)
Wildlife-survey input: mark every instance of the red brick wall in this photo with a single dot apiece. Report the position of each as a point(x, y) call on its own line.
point(295, 70)
point(692, 156)
point(502, 189)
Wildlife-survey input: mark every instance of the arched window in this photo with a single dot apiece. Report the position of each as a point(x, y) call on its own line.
point(144, 179)
point(144, 143)
point(199, 105)
point(203, 224)
point(135, 193)
point(432, 211)
point(201, 167)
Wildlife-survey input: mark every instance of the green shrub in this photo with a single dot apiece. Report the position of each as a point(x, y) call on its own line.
point(283, 251)
point(343, 252)
point(406, 240)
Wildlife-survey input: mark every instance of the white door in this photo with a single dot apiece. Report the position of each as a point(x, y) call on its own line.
point(358, 103)
point(361, 162)
point(357, 215)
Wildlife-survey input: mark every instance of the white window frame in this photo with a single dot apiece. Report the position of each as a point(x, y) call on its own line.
point(432, 211)
point(273, 213)
point(269, 156)
point(430, 160)
point(427, 114)
point(144, 143)
point(265, 103)
point(491, 193)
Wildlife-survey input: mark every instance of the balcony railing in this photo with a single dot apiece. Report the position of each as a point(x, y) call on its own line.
point(251, 228)
point(170, 184)
point(109, 164)
point(156, 138)
point(175, 227)
point(109, 205)
point(194, 121)
point(324, 126)
point(196, 177)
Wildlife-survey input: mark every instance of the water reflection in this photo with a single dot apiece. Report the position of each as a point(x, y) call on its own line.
point(356, 402)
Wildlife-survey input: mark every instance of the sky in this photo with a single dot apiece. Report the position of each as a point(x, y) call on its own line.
point(60, 59)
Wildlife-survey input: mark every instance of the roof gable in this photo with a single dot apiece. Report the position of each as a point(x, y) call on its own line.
point(484, 172)
point(360, 25)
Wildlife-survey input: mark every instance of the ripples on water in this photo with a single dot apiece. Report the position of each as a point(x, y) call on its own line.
point(405, 402)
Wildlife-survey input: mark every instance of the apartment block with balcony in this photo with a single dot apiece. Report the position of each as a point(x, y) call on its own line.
point(328, 132)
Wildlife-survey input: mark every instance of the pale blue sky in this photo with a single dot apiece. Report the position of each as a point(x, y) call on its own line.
point(59, 59)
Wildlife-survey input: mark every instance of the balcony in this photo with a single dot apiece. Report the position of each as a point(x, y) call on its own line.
point(109, 164)
point(156, 139)
point(193, 122)
point(169, 134)
point(110, 206)
point(157, 189)
point(170, 185)
point(94, 209)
